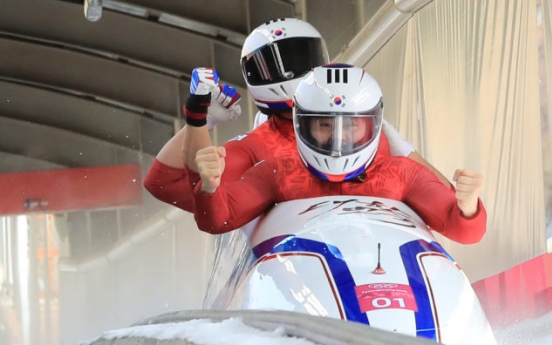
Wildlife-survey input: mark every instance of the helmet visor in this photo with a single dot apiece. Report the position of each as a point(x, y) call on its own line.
point(284, 60)
point(337, 135)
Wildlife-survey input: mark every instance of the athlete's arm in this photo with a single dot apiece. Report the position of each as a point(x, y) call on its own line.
point(171, 153)
point(242, 154)
point(169, 185)
point(222, 208)
point(415, 156)
point(400, 147)
point(168, 181)
point(167, 177)
point(204, 91)
point(460, 216)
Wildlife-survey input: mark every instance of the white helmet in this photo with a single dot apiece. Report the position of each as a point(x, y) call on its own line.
point(337, 117)
point(275, 56)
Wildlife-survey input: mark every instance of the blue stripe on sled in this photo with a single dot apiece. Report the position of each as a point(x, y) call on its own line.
point(334, 259)
point(425, 322)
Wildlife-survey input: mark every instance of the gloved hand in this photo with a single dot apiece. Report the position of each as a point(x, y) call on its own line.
point(223, 99)
point(397, 145)
point(224, 105)
point(204, 81)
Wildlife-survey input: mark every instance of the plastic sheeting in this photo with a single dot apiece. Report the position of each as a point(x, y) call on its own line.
point(233, 257)
point(460, 82)
point(544, 32)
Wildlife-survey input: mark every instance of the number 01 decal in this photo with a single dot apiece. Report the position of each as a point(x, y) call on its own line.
point(385, 296)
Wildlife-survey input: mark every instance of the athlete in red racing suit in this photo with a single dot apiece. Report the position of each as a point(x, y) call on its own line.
point(299, 50)
point(286, 175)
point(286, 178)
point(274, 137)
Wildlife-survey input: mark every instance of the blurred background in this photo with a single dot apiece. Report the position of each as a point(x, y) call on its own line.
point(90, 92)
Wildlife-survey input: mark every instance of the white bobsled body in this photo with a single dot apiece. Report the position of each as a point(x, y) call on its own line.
point(361, 259)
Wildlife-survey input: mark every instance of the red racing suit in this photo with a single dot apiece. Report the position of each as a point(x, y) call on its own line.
point(272, 138)
point(286, 178)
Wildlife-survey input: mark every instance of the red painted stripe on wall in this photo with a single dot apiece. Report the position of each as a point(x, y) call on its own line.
point(523, 291)
point(70, 189)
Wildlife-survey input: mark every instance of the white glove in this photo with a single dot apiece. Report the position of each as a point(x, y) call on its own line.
point(204, 80)
point(224, 98)
point(397, 145)
point(224, 105)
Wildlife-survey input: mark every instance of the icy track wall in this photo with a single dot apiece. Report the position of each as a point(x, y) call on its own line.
point(250, 327)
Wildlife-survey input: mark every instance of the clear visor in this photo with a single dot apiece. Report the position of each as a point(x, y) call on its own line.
point(338, 135)
point(284, 60)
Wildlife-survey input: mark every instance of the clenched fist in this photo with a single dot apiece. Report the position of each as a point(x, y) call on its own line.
point(468, 186)
point(210, 165)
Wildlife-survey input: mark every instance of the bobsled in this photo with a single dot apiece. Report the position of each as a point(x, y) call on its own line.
point(360, 259)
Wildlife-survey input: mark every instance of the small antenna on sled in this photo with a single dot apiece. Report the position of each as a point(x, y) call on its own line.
point(378, 269)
